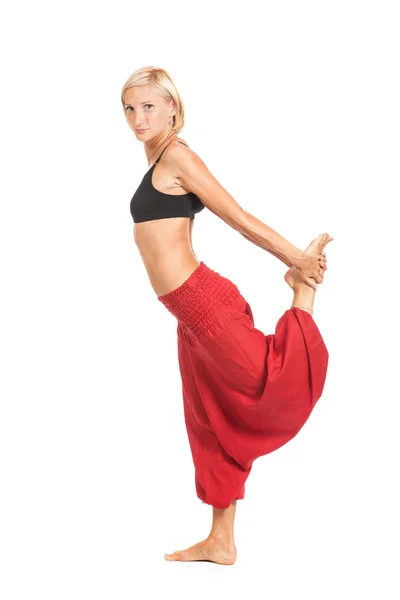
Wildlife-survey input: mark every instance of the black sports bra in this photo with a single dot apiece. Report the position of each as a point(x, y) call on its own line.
point(149, 204)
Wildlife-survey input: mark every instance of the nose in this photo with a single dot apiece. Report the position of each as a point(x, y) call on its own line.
point(139, 124)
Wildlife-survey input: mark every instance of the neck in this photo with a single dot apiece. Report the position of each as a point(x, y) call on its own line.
point(157, 144)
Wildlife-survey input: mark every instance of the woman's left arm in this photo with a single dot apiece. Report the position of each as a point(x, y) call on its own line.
point(194, 176)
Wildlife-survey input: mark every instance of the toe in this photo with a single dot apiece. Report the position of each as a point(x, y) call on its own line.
point(174, 556)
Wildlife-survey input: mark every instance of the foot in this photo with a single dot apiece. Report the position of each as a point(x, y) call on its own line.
point(211, 549)
point(315, 248)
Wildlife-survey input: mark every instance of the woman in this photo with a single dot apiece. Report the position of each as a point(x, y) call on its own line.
point(245, 394)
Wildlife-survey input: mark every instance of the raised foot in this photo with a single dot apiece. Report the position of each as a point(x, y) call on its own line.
point(315, 248)
point(212, 550)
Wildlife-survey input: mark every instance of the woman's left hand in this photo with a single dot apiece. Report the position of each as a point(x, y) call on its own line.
point(311, 269)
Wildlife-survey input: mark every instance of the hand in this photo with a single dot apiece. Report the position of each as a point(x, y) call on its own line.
point(311, 269)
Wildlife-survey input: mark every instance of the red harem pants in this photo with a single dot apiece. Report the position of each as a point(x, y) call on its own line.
point(245, 394)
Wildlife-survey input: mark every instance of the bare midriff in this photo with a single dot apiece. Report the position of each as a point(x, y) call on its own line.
point(165, 246)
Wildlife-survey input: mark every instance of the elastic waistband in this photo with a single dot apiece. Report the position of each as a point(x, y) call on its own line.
point(201, 300)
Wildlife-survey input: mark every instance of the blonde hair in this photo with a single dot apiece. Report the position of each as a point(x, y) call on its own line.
point(163, 84)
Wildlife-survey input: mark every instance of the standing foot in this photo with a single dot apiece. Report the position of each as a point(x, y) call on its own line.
point(210, 549)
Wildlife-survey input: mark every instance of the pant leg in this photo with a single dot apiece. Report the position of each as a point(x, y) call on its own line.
point(245, 393)
point(218, 478)
point(259, 390)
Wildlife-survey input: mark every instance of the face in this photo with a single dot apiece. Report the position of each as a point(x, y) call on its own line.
point(146, 110)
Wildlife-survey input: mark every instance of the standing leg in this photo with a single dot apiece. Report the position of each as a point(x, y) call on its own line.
point(219, 546)
point(222, 526)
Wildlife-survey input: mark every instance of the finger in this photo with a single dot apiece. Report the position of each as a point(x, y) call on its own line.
point(311, 282)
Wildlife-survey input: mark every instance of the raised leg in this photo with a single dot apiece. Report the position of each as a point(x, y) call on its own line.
point(304, 295)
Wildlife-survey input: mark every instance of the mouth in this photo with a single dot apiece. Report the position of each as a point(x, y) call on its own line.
point(140, 130)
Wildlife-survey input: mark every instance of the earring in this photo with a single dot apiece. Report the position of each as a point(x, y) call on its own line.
point(171, 120)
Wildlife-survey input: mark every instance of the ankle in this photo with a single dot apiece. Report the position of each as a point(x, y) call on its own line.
point(304, 299)
point(305, 308)
point(222, 535)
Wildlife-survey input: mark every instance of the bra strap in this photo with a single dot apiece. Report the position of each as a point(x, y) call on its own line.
point(166, 148)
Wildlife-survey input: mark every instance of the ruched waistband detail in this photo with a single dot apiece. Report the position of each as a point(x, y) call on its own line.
point(199, 302)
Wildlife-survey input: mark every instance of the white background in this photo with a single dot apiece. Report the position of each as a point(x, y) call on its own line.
point(294, 107)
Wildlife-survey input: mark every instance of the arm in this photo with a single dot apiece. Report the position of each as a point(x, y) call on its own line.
point(267, 238)
point(194, 176)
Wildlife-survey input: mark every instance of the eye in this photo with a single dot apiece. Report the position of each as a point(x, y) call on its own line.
point(128, 107)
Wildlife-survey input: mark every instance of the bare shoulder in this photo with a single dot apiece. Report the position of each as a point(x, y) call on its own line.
point(180, 154)
point(179, 148)
point(193, 175)
point(180, 158)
